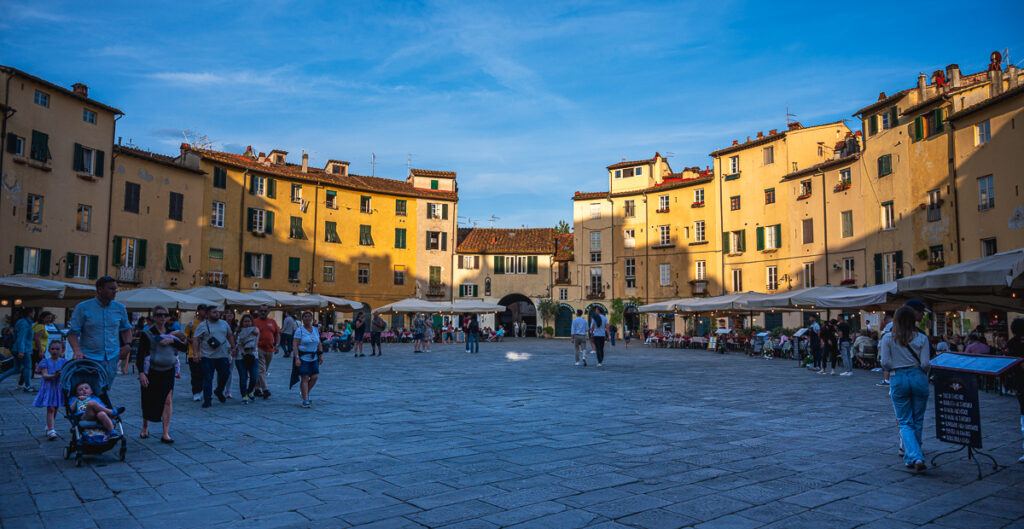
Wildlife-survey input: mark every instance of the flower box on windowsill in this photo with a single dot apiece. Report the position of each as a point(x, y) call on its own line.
point(769, 250)
point(847, 282)
point(698, 243)
point(732, 176)
point(662, 210)
point(259, 234)
point(803, 196)
point(697, 205)
point(86, 176)
point(842, 186)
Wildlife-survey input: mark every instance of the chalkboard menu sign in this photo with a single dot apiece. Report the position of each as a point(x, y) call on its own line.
point(957, 418)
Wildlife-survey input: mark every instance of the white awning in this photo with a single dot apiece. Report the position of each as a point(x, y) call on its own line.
point(225, 297)
point(413, 305)
point(144, 299)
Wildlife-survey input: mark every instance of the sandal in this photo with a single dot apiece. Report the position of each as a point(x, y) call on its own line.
point(167, 440)
point(143, 435)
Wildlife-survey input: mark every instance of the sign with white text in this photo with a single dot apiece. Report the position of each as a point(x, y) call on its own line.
point(957, 418)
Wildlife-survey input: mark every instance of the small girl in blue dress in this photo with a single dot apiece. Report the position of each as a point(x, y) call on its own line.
point(49, 395)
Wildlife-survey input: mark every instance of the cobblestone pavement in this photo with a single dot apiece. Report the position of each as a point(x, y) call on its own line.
point(517, 436)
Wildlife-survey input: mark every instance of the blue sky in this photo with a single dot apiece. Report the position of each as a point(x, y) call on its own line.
point(527, 101)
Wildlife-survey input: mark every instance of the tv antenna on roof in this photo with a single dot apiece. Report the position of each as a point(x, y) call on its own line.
point(668, 154)
point(467, 221)
point(492, 219)
point(196, 140)
point(373, 164)
point(789, 115)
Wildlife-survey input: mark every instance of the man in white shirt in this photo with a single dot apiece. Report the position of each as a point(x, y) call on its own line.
point(579, 338)
point(598, 333)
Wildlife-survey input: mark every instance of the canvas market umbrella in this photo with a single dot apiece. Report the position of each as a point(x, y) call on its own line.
point(804, 297)
point(225, 297)
point(413, 305)
point(143, 299)
point(283, 300)
point(729, 302)
point(991, 282)
point(877, 297)
point(36, 287)
point(336, 303)
point(475, 306)
point(663, 306)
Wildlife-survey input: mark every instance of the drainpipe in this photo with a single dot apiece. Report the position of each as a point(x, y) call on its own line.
point(241, 222)
point(3, 126)
point(956, 194)
point(611, 218)
point(316, 211)
point(110, 190)
point(824, 216)
point(647, 252)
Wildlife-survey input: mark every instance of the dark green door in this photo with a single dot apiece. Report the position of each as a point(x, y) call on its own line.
point(563, 322)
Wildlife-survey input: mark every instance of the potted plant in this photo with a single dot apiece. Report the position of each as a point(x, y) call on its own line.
point(549, 331)
point(548, 310)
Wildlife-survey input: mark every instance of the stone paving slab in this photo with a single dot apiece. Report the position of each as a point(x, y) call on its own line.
point(655, 439)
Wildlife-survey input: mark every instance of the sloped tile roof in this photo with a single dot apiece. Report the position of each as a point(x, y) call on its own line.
point(563, 247)
point(161, 159)
point(634, 162)
point(668, 183)
point(428, 172)
point(506, 241)
point(61, 89)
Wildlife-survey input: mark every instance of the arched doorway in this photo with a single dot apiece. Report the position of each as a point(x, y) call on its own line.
point(518, 307)
point(587, 312)
point(563, 322)
point(631, 317)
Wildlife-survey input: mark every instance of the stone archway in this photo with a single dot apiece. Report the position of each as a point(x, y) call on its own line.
point(563, 321)
point(518, 307)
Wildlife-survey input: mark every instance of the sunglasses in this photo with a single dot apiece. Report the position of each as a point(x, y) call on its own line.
point(160, 314)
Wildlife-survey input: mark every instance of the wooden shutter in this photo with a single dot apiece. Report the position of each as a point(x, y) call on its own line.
point(760, 238)
point(44, 263)
point(899, 264)
point(938, 120)
point(268, 223)
point(267, 265)
point(725, 242)
point(531, 264)
point(428, 237)
point(249, 214)
point(76, 162)
point(873, 124)
point(894, 117)
point(293, 264)
point(444, 211)
point(476, 262)
point(444, 241)
point(247, 264)
point(69, 265)
point(252, 184)
point(879, 275)
point(12, 142)
point(881, 166)
point(140, 253)
point(99, 163)
point(919, 128)
point(499, 264)
point(475, 290)
point(778, 235)
point(116, 260)
point(19, 260)
point(94, 266)
point(743, 241)
point(174, 263)
point(458, 262)
point(271, 188)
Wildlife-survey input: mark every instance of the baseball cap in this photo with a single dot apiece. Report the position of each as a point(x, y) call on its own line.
point(203, 306)
point(917, 305)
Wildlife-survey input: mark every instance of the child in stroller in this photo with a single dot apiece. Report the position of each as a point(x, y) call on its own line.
point(95, 426)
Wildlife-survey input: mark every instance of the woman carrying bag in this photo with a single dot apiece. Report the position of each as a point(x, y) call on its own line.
point(906, 354)
point(308, 357)
point(246, 359)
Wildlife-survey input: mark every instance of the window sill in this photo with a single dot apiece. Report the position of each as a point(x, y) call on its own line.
point(698, 243)
point(842, 187)
point(42, 166)
point(331, 207)
point(660, 246)
point(258, 234)
point(769, 250)
point(664, 210)
point(697, 205)
point(732, 176)
point(734, 254)
point(803, 197)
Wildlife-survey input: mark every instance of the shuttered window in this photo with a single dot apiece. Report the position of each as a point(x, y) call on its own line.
point(400, 238)
point(131, 197)
point(174, 263)
point(40, 150)
point(331, 232)
point(176, 206)
point(295, 229)
point(365, 238)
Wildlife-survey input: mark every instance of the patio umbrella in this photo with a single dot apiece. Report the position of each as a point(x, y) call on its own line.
point(729, 302)
point(996, 274)
point(38, 289)
point(877, 297)
point(283, 300)
point(225, 297)
point(475, 306)
point(336, 303)
point(147, 298)
point(804, 297)
point(663, 306)
point(413, 305)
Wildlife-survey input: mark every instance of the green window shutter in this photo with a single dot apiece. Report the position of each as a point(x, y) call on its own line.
point(44, 263)
point(267, 265)
point(69, 265)
point(140, 249)
point(271, 188)
point(531, 264)
point(899, 264)
point(444, 241)
point(760, 238)
point(778, 235)
point(249, 214)
point(475, 290)
point(938, 120)
point(499, 264)
point(40, 149)
point(268, 225)
point(725, 242)
point(247, 264)
point(743, 241)
point(252, 184)
point(99, 163)
point(293, 264)
point(116, 260)
point(873, 124)
point(894, 117)
point(919, 128)
point(433, 184)
point(174, 263)
point(878, 269)
point(444, 211)
point(94, 266)
point(76, 162)
point(19, 260)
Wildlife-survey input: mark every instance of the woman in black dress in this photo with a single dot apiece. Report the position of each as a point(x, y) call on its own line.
point(157, 362)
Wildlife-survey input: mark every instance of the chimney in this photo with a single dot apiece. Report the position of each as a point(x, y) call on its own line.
point(1011, 74)
point(184, 148)
point(735, 142)
point(262, 157)
point(922, 87)
point(995, 77)
point(760, 134)
point(305, 162)
point(773, 132)
point(80, 89)
point(795, 125)
point(748, 139)
point(248, 152)
point(953, 75)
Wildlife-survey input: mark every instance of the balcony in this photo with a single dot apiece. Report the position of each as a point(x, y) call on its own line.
point(699, 287)
point(129, 274)
point(842, 186)
point(934, 212)
point(563, 280)
point(216, 279)
point(595, 294)
point(436, 290)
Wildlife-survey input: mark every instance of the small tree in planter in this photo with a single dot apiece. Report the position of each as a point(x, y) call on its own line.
point(548, 310)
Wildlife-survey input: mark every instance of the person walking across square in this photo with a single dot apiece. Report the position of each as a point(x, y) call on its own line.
point(100, 330)
point(195, 368)
point(215, 343)
point(377, 326)
point(269, 341)
point(579, 338)
point(22, 349)
point(288, 327)
point(598, 333)
point(906, 354)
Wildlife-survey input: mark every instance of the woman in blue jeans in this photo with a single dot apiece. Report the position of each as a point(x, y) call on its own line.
point(905, 353)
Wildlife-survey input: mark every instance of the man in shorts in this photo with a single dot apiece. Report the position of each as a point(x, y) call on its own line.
point(267, 344)
point(377, 326)
point(579, 338)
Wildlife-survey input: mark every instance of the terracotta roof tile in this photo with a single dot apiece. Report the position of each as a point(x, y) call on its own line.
point(668, 183)
point(427, 172)
point(563, 247)
point(821, 166)
point(634, 162)
point(1013, 92)
point(65, 91)
point(506, 241)
point(161, 159)
point(317, 175)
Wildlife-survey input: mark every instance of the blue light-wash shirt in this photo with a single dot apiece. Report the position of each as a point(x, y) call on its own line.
point(98, 328)
point(579, 325)
point(597, 327)
point(23, 336)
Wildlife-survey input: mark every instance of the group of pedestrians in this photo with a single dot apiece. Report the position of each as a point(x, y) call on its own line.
point(593, 333)
point(830, 343)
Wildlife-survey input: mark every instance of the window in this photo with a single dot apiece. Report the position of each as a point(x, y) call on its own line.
point(34, 261)
point(78, 265)
point(173, 262)
point(399, 275)
point(129, 252)
point(596, 283)
point(848, 269)
point(982, 133)
point(520, 264)
point(638, 171)
point(737, 280)
point(629, 238)
point(217, 215)
point(768, 153)
point(936, 255)
point(734, 164)
point(435, 276)
point(365, 237)
point(433, 184)
point(595, 241)
point(665, 274)
point(736, 242)
point(437, 211)
point(220, 177)
point(88, 116)
point(769, 237)
point(294, 263)
point(846, 218)
point(698, 196)
point(176, 206)
point(331, 200)
point(889, 266)
point(988, 247)
point(886, 123)
point(888, 216)
point(131, 197)
point(335, 169)
point(986, 193)
point(629, 208)
point(808, 275)
point(328, 271)
point(279, 159)
point(88, 161)
point(363, 274)
point(468, 262)
point(805, 188)
point(216, 253)
point(467, 290)
point(595, 211)
point(258, 186)
point(771, 278)
point(618, 173)
point(769, 195)
point(734, 203)
point(42, 99)
point(34, 209)
point(257, 265)
point(808, 231)
point(295, 230)
point(364, 204)
point(15, 144)
point(663, 203)
point(700, 273)
point(563, 294)
point(630, 269)
point(400, 207)
point(259, 220)
point(884, 165)
point(296, 193)
point(934, 205)
point(698, 231)
point(665, 234)
point(40, 149)
point(83, 220)
point(400, 238)
point(331, 232)
point(844, 177)
point(437, 240)
point(595, 257)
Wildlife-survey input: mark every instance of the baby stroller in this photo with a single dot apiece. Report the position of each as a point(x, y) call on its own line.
point(88, 437)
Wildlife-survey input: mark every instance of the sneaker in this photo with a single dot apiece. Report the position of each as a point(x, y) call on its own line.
point(584, 362)
point(227, 394)
point(822, 372)
point(876, 369)
point(883, 383)
point(920, 466)
point(30, 389)
point(266, 394)
point(51, 434)
point(252, 395)
point(578, 363)
point(1021, 460)
point(114, 434)
point(832, 373)
point(197, 397)
point(599, 364)
point(245, 399)
point(220, 396)
point(305, 404)
point(846, 374)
